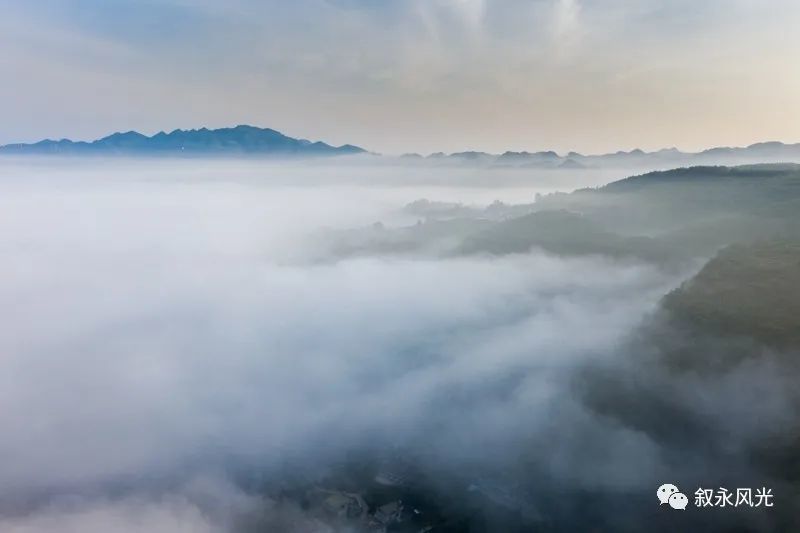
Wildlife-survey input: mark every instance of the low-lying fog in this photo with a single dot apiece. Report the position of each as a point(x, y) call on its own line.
point(162, 329)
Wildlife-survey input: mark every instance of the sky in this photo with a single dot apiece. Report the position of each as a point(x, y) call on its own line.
point(397, 76)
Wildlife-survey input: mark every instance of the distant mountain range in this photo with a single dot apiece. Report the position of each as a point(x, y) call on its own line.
point(241, 140)
point(253, 141)
point(766, 152)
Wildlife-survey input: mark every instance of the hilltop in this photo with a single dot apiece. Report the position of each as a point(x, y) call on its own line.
point(661, 217)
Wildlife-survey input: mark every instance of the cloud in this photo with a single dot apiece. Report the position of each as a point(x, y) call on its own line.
point(154, 336)
point(566, 26)
point(170, 361)
point(148, 364)
point(203, 505)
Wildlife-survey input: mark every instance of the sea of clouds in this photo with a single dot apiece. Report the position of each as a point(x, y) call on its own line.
point(161, 328)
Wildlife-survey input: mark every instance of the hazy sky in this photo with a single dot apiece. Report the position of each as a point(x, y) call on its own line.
point(408, 75)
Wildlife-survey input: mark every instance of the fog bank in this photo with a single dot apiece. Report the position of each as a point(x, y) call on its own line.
point(160, 329)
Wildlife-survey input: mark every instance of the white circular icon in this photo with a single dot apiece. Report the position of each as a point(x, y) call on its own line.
point(678, 500)
point(665, 491)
